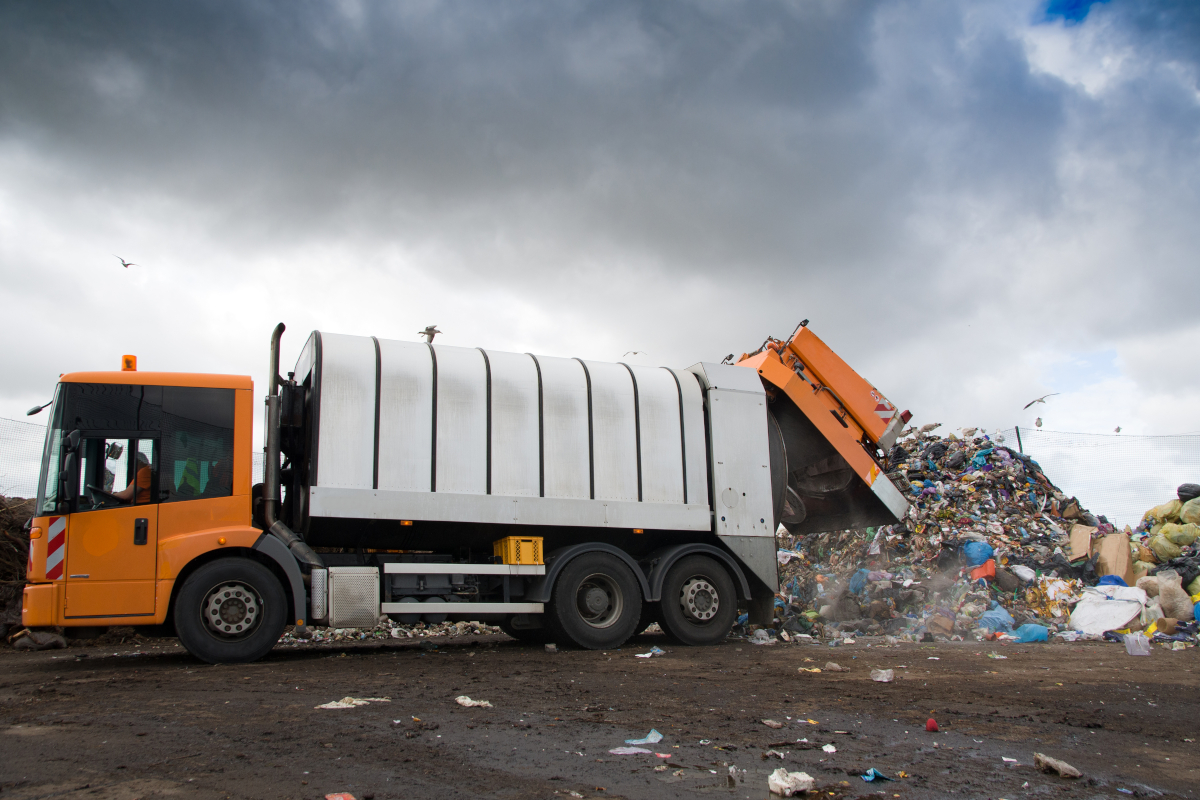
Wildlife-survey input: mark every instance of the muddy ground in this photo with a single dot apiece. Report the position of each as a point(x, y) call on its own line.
point(144, 719)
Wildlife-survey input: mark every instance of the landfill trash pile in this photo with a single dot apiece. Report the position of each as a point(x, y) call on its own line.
point(385, 629)
point(14, 555)
point(990, 549)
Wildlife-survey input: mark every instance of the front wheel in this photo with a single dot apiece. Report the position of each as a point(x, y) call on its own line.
point(699, 603)
point(229, 611)
point(596, 602)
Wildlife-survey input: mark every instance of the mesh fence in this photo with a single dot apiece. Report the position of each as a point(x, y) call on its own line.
point(1118, 476)
point(21, 446)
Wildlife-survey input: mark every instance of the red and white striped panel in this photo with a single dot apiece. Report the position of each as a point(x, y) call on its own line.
point(56, 548)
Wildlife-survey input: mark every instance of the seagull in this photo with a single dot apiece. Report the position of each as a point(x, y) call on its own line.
point(635, 353)
point(1117, 429)
point(1038, 422)
point(429, 332)
point(1041, 399)
point(124, 263)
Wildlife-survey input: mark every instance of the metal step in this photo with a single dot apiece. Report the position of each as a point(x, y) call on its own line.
point(464, 569)
point(460, 608)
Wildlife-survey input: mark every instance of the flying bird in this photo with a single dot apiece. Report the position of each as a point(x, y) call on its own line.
point(1041, 399)
point(124, 263)
point(1117, 429)
point(429, 332)
point(635, 353)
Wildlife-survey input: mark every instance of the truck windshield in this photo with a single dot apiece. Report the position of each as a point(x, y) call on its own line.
point(47, 499)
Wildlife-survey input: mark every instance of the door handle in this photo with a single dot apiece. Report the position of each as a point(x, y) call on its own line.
point(141, 528)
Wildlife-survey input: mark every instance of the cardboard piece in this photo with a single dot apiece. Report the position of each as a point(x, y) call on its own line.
point(1115, 558)
point(1081, 542)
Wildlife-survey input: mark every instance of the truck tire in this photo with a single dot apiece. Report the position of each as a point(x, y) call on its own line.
point(596, 602)
point(699, 602)
point(230, 611)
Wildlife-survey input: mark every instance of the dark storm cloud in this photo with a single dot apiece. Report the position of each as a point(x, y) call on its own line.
point(903, 172)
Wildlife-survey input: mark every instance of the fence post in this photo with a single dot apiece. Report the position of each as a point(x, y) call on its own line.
point(1020, 447)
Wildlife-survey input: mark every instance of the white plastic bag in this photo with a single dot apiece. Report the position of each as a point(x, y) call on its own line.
point(786, 783)
point(1136, 644)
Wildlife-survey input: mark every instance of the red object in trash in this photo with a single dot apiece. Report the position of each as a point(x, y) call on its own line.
point(931, 725)
point(985, 570)
point(339, 796)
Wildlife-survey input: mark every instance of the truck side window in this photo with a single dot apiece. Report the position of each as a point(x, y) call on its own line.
point(116, 472)
point(197, 442)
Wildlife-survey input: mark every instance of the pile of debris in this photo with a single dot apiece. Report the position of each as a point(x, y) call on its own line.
point(14, 556)
point(991, 548)
point(385, 629)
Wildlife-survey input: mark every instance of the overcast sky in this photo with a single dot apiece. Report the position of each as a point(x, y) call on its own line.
point(974, 203)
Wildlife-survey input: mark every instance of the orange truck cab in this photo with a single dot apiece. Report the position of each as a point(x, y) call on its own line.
point(146, 478)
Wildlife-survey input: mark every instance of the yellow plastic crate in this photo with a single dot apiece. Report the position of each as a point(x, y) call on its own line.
point(518, 550)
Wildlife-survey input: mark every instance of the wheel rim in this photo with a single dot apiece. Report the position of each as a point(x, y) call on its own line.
point(599, 600)
point(699, 599)
point(232, 610)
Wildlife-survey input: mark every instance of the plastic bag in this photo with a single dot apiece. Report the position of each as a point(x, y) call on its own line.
point(1193, 588)
point(1190, 513)
point(1136, 644)
point(1032, 633)
point(1173, 600)
point(1167, 512)
point(1181, 535)
point(1164, 549)
point(1024, 573)
point(977, 553)
point(996, 619)
point(1149, 585)
point(786, 783)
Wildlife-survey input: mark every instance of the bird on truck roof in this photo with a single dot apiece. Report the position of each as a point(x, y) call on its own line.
point(124, 263)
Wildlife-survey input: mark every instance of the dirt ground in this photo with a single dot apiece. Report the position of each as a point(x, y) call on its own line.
point(146, 720)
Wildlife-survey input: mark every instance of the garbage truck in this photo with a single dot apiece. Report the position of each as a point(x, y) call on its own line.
point(563, 499)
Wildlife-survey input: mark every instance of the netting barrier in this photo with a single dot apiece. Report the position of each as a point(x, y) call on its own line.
point(1114, 475)
point(21, 445)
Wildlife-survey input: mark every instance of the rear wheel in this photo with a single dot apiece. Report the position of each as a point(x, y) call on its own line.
point(232, 610)
point(596, 602)
point(699, 603)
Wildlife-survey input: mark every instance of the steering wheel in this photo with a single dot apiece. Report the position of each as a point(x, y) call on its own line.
point(98, 496)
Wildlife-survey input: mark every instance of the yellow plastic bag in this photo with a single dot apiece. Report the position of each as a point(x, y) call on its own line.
point(1191, 511)
point(1164, 548)
point(1167, 512)
point(1181, 535)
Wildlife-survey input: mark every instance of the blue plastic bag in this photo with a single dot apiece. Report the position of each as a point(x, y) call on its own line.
point(1032, 633)
point(977, 553)
point(997, 619)
point(1112, 580)
point(858, 581)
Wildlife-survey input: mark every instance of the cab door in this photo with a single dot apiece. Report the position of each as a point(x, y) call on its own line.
point(112, 546)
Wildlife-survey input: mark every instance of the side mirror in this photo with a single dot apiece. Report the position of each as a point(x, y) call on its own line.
point(71, 441)
point(66, 478)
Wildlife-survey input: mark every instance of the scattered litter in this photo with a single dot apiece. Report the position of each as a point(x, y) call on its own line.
point(786, 784)
point(773, 754)
point(808, 669)
point(1047, 764)
point(833, 666)
point(883, 675)
point(339, 796)
point(37, 640)
point(351, 702)
point(875, 775)
point(551, 647)
point(931, 725)
point(629, 751)
point(994, 654)
point(1008, 760)
point(761, 636)
point(770, 723)
point(467, 702)
point(829, 748)
point(1136, 644)
point(653, 737)
point(654, 651)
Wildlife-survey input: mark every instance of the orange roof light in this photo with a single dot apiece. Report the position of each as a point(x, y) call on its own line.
point(128, 363)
